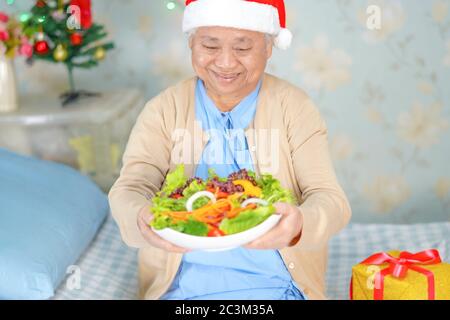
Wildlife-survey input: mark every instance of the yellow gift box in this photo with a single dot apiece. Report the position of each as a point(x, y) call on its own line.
point(397, 275)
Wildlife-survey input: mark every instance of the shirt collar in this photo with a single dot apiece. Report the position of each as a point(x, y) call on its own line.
point(239, 115)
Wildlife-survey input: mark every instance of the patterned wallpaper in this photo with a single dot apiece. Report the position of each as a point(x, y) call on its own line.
point(385, 94)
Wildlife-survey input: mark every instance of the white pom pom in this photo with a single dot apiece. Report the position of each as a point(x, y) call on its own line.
point(284, 39)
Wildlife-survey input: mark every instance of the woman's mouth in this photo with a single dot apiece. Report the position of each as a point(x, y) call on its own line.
point(226, 78)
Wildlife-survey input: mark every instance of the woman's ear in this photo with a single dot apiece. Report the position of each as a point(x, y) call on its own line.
point(269, 42)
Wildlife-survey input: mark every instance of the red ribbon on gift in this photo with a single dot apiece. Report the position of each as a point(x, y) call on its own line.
point(398, 268)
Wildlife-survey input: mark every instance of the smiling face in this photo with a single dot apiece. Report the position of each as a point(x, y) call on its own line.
point(230, 61)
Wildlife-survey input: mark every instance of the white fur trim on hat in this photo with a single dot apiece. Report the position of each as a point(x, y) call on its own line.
point(238, 14)
point(284, 39)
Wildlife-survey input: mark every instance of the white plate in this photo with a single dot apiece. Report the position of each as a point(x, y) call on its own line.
point(218, 243)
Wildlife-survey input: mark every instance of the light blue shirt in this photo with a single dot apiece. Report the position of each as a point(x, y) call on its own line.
point(240, 273)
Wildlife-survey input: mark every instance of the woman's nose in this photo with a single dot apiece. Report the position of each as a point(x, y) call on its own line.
point(226, 59)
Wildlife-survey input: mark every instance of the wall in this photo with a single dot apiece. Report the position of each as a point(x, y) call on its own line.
point(384, 94)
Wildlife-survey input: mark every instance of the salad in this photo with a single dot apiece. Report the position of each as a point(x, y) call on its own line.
point(218, 206)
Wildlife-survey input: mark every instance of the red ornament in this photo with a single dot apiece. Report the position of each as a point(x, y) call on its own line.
point(76, 39)
point(85, 12)
point(4, 17)
point(41, 47)
point(40, 4)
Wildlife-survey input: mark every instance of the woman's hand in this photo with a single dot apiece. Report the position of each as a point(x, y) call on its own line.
point(289, 227)
point(144, 218)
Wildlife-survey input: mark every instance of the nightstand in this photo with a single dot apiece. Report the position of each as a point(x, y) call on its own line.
point(89, 135)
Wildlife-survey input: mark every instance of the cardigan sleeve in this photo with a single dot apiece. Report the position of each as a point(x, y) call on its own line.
point(145, 165)
point(324, 205)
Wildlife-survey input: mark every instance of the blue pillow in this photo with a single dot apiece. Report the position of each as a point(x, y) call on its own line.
point(49, 213)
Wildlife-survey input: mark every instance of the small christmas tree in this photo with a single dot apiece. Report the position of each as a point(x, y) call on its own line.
point(63, 32)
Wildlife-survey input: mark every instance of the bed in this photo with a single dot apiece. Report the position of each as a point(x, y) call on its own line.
point(108, 269)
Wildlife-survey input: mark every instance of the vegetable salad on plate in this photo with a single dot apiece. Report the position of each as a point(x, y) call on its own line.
point(216, 207)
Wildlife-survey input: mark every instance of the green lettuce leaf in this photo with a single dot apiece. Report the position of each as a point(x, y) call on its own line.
point(272, 191)
point(192, 227)
point(163, 204)
point(246, 220)
point(174, 180)
point(160, 222)
point(252, 174)
point(193, 188)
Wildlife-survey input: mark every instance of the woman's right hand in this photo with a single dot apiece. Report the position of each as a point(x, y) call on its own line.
point(144, 218)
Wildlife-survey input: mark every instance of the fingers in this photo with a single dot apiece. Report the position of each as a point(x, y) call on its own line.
point(270, 240)
point(159, 242)
point(267, 240)
point(156, 240)
point(279, 236)
point(283, 208)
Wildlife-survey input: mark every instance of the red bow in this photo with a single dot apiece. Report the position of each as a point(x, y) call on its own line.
point(399, 266)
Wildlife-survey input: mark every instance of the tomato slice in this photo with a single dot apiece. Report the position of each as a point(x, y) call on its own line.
point(215, 232)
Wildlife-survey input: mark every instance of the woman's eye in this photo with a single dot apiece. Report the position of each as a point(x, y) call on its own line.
point(243, 49)
point(211, 48)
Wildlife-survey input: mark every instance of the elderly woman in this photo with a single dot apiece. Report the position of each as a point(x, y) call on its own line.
point(278, 131)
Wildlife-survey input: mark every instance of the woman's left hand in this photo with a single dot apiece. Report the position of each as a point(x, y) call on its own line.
point(280, 236)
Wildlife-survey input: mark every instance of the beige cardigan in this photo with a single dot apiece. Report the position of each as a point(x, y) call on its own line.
point(297, 154)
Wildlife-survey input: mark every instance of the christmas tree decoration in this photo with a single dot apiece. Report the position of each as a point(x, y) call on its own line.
point(40, 4)
point(171, 5)
point(3, 17)
point(59, 15)
point(4, 36)
point(60, 53)
point(25, 49)
point(64, 32)
point(24, 17)
point(12, 39)
point(99, 54)
point(41, 47)
point(76, 38)
point(175, 4)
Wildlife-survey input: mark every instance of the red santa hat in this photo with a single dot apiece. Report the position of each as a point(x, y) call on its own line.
point(267, 16)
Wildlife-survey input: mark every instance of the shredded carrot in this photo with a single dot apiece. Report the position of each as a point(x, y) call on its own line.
point(211, 213)
point(233, 213)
